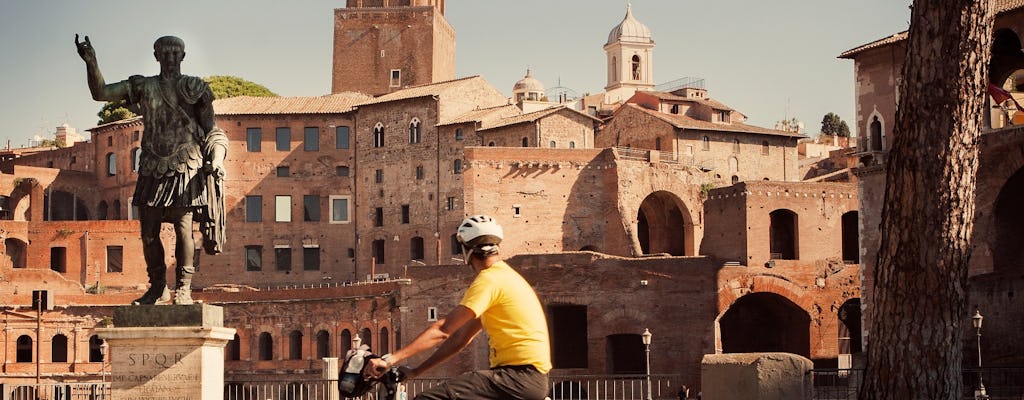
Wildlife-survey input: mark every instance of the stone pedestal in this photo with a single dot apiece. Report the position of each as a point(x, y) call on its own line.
point(756, 376)
point(167, 352)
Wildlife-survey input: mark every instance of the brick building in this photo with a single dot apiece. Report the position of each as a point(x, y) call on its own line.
point(657, 217)
point(995, 264)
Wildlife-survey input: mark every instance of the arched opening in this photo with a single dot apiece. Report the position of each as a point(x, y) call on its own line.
point(24, 349)
point(414, 131)
point(625, 353)
point(526, 142)
point(851, 238)
point(384, 342)
point(115, 210)
point(101, 211)
point(876, 134)
point(849, 332)
point(265, 343)
point(378, 135)
point(765, 322)
point(568, 326)
point(663, 226)
point(367, 338)
point(323, 344)
point(295, 345)
point(1008, 253)
point(95, 349)
point(416, 248)
point(16, 252)
point(735, 179)
point(783, 235)
point(234, 349)
point(59, 349)
point(590, 247)
point(60, 205)
point(344, 342)
point(635, 66)
point(1006, 76)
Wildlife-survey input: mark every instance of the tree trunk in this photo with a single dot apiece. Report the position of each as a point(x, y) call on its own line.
point(919, 308)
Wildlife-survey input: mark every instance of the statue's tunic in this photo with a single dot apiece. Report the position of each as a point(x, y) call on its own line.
point(173, 142)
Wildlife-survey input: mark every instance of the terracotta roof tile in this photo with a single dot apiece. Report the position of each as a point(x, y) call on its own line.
point(250, 105)
point(530, 117)
point(685, 122)
point(485, 115)
point(412, 92)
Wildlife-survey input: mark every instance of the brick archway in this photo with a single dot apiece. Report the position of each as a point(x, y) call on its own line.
point(664, 225)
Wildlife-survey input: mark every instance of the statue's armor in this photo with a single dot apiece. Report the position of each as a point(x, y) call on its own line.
point(172, 143)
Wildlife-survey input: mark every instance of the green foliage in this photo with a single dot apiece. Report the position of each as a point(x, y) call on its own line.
point(114, 111)
point(231, 86)
point(832, 125)
point(59, 143)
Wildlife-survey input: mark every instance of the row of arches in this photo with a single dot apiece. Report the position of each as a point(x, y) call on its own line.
point(25, 350)
point(293, 345)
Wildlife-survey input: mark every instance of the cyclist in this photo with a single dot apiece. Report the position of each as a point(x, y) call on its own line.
point(499, 301)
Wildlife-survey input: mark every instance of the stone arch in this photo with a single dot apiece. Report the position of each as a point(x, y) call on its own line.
point(59, 348)
point(784, 235)
point(95, 349)
point(102, 211)
point(1006, 71)
point(1008, 220)
point(295, 344)
point(850, 333)
point(23, 349)
point(323, 344)
point(765, 322)
point(664, 225)
point(384, 340)
point(344, 342)
point(265, 346)
point(233, 350)
point(415, 135)
point(62, 205)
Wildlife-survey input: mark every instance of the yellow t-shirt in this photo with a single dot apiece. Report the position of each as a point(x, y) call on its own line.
point(512, 315)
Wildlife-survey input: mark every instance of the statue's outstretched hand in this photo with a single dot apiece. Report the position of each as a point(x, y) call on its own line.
point(85, 49)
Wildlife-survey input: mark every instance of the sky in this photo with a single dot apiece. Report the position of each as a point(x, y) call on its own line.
point(770, 60)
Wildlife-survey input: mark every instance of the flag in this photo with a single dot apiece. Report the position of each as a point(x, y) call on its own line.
point(1000, 95)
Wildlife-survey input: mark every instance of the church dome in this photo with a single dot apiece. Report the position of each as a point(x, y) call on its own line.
point(528, 88)
point(630, 30)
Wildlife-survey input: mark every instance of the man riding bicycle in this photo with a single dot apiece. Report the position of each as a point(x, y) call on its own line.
point(499, 301)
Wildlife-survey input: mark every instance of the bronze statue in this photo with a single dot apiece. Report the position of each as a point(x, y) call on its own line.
point(181, 167)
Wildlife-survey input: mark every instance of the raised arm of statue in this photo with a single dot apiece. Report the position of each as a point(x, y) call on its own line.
point(97, 86)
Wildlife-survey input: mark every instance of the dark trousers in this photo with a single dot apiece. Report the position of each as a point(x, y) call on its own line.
point(504, 383)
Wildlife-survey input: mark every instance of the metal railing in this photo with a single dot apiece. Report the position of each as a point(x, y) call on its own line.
point(55, 391)
point(1001, 383)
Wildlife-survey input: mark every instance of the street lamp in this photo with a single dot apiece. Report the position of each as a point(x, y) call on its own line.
point(979, 393)
point(646, 337)
point(103, 361)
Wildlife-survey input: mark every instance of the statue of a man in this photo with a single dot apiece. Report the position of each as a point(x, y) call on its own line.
point(181, 167)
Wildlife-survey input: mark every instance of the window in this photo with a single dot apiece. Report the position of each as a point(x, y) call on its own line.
point(706, 143)
point(378, 176)
point(378, 216)
point(517, 211)
point(378, 251)
point(234, 349)
point(110, 140)
point(457, 166)
point(311, 139)
point(675, 109)
point(341, 140)
point(283, 172)
point(311, 258)
point(24, 349)
point(735, 145)
point(378, 135)
point(284, 139)
point(419, 172)
point(405, 213)
point(414, 131)
point(396, 77)
point(283, 208)
point(111, 164)
point(339, 209)
point(875, 129)
point(95, 349)
point(265, 343)
point(283, 258)
point(115, 258)
point(526, 142)
point(253, 140)
point(59, 259)
point(101, 211)
point(450, 203)
point(136, 155)
point(572, 145)
point(458, 134)
point(455, 245)
point(59, 349)
point(341, 170)
point(491, 144)
point(115, 210)
point(552, 144)
point(135, 136)
point(323, 344)
point(657, 144)
point(431, 313)
point(568, 331)
point(345, 341)
point(311, 208)
point(636, 67)
point(253, 208)
point(764, 148)
point(253, 258)
point(416, 248)
point(723, 116)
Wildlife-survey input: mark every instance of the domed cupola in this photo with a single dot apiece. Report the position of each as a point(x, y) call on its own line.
point(528, 88)
point(630, 30)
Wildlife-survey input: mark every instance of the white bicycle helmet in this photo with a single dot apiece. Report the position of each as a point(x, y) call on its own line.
point(480, 234)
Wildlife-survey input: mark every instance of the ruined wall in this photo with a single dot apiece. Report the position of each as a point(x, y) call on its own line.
point(75, 323)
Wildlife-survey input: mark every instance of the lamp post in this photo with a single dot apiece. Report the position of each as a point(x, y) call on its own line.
point(646, 337)
point(979, 393)
point(103, 361)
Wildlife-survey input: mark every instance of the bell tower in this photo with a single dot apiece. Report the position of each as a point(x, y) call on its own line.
point(630, 52)
point(384, 45)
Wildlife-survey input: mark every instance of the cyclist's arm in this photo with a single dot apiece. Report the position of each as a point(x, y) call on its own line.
point(437, 334)
point(450, 347)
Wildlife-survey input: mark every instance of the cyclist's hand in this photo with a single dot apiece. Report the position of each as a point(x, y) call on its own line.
point(375, 368)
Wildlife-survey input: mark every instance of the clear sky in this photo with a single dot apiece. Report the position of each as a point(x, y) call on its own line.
point(768, 59)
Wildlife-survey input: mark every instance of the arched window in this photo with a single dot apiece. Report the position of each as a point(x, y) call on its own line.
point(636, 67)
point(572, 145)
point(414, 131)
point(416, 248)
point(95, 349)
point(457, 166)
point(384, 341)
point(344, 342)
point(458, 134)
point(111, 164)
point(735, 179)
point(783, 235)
point(552, 144)
point(615, 69)
point(851, 238)
point(24, 349)
point(234, 349)
point(491, 144)
point(136, 155)
point(59, 348)
point(295, 345)
point(367, 338)
point(876, 134)
point(101, 211)
point(526, 142)
point(378, 135)
point(115, 210)
point(323, 344)
point(266, 347)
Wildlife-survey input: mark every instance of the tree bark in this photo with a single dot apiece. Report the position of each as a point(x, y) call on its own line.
point(919, 308)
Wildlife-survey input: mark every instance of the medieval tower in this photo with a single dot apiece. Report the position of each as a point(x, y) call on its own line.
point(630, 51)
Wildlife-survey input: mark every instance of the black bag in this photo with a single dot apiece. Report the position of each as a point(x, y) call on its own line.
point(351, 382)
